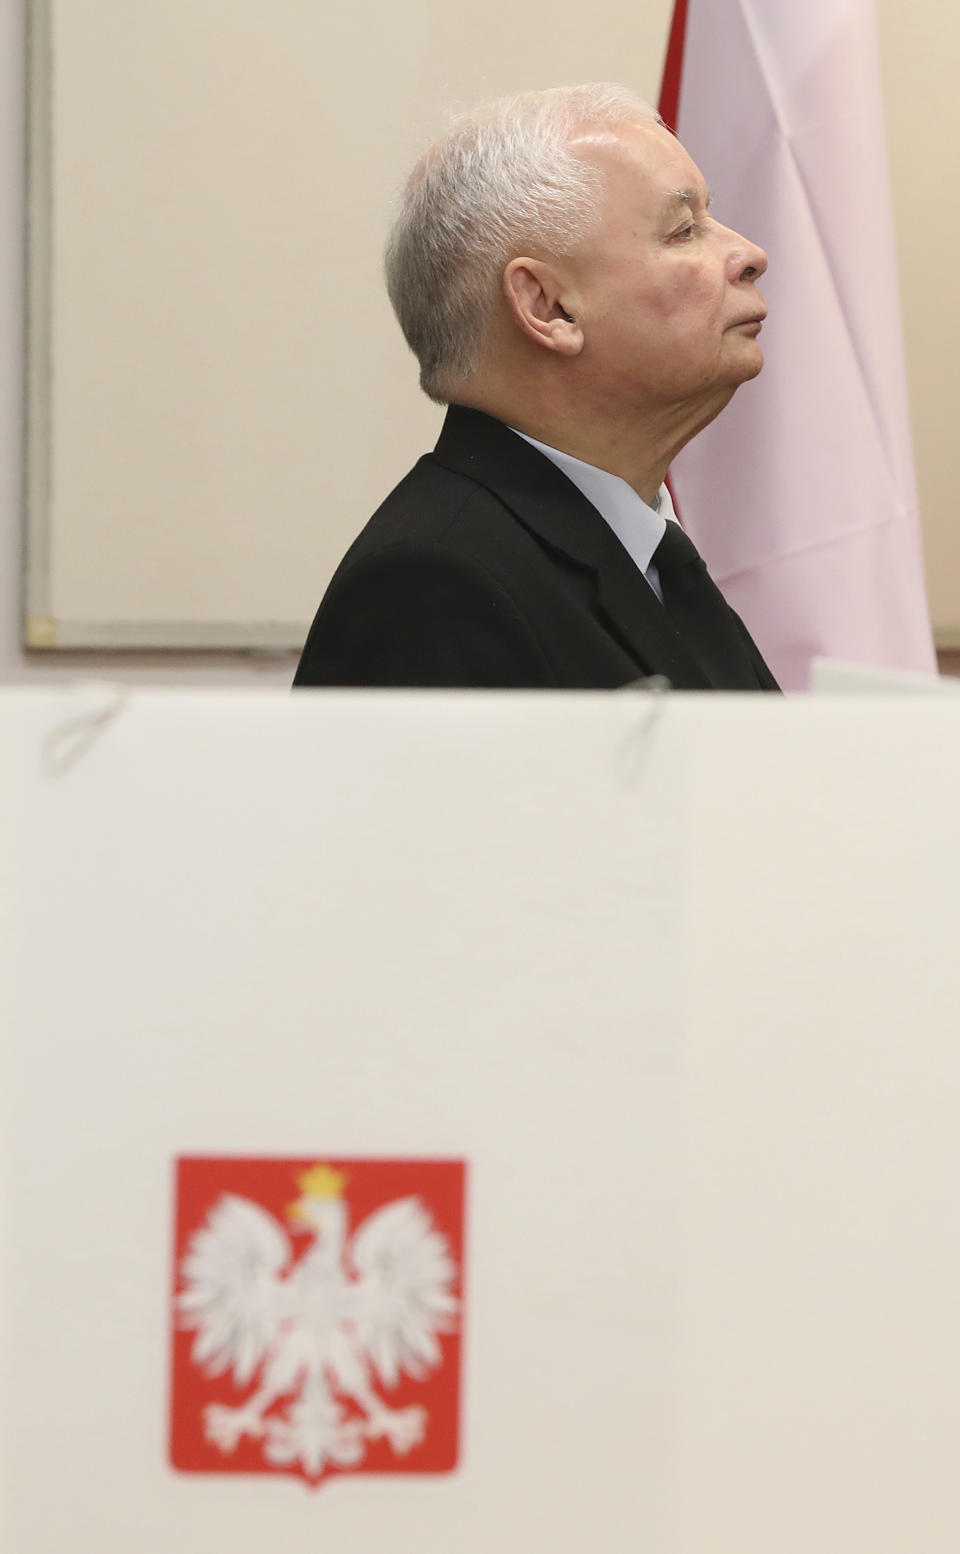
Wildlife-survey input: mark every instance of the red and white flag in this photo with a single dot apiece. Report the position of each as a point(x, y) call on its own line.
point(801, 495)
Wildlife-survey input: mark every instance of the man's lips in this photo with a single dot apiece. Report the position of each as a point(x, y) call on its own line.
point(753, 323)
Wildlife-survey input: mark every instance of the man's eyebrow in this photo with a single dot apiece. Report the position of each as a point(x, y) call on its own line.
point(689, 197)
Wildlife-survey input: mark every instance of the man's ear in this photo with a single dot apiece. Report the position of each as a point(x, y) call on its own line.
point(540, 307)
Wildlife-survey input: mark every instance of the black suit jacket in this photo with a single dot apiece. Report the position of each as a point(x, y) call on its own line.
point(488, 567)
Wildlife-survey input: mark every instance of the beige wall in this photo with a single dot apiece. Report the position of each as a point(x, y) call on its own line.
point(921, 57)
point(920, 50)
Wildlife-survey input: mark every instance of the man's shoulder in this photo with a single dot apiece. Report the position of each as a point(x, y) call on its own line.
point(443, 586)
point(425, 506)
point(480, 477)
point(457, 498)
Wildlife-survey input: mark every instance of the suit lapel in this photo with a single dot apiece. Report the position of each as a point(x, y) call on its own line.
point(548, 504)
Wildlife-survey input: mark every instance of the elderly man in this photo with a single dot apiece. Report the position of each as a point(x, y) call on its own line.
point(557, 272)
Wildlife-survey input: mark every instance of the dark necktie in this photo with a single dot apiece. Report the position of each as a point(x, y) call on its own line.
point(703, 618)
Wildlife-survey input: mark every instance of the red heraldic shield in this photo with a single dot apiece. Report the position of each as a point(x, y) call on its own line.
point(317, 1316)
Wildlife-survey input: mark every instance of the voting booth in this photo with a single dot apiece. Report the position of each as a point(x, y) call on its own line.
point(447, 1121)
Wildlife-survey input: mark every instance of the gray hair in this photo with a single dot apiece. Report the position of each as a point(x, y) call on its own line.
point(502, 180)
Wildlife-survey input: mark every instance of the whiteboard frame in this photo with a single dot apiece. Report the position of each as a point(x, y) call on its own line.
point(38, 628)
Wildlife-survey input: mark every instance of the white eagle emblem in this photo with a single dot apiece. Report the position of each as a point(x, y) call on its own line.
point(313, 1339)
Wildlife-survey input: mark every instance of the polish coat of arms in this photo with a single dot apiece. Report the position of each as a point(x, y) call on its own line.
point(319, 1334)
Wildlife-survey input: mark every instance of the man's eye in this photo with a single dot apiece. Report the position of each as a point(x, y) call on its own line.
point(685, 233)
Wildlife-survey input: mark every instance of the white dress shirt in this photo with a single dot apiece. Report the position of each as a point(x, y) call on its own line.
point(639, 528)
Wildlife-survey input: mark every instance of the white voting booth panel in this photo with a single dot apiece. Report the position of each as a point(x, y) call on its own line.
point(331, 930)
point(673, 979)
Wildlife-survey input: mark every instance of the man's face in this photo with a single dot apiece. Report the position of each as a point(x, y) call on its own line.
point(666, 296)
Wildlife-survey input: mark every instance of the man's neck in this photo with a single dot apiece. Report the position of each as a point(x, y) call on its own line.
point(640, 466)
point(638, 448)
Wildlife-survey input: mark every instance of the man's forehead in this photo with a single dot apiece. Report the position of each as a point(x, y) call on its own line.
point(633, 140)
point(671, 180)
point(650, 150)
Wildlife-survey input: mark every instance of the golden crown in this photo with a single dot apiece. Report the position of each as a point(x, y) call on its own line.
point(323, 1181)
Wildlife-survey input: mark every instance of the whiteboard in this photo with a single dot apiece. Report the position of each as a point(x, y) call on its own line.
point(219, 396)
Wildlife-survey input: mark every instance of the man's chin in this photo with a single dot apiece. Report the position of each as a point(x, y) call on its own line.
point(751, 364)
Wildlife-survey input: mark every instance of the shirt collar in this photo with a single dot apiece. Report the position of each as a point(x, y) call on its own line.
point(639, 528)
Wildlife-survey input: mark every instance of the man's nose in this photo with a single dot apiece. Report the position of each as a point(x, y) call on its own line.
point(747, 260)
